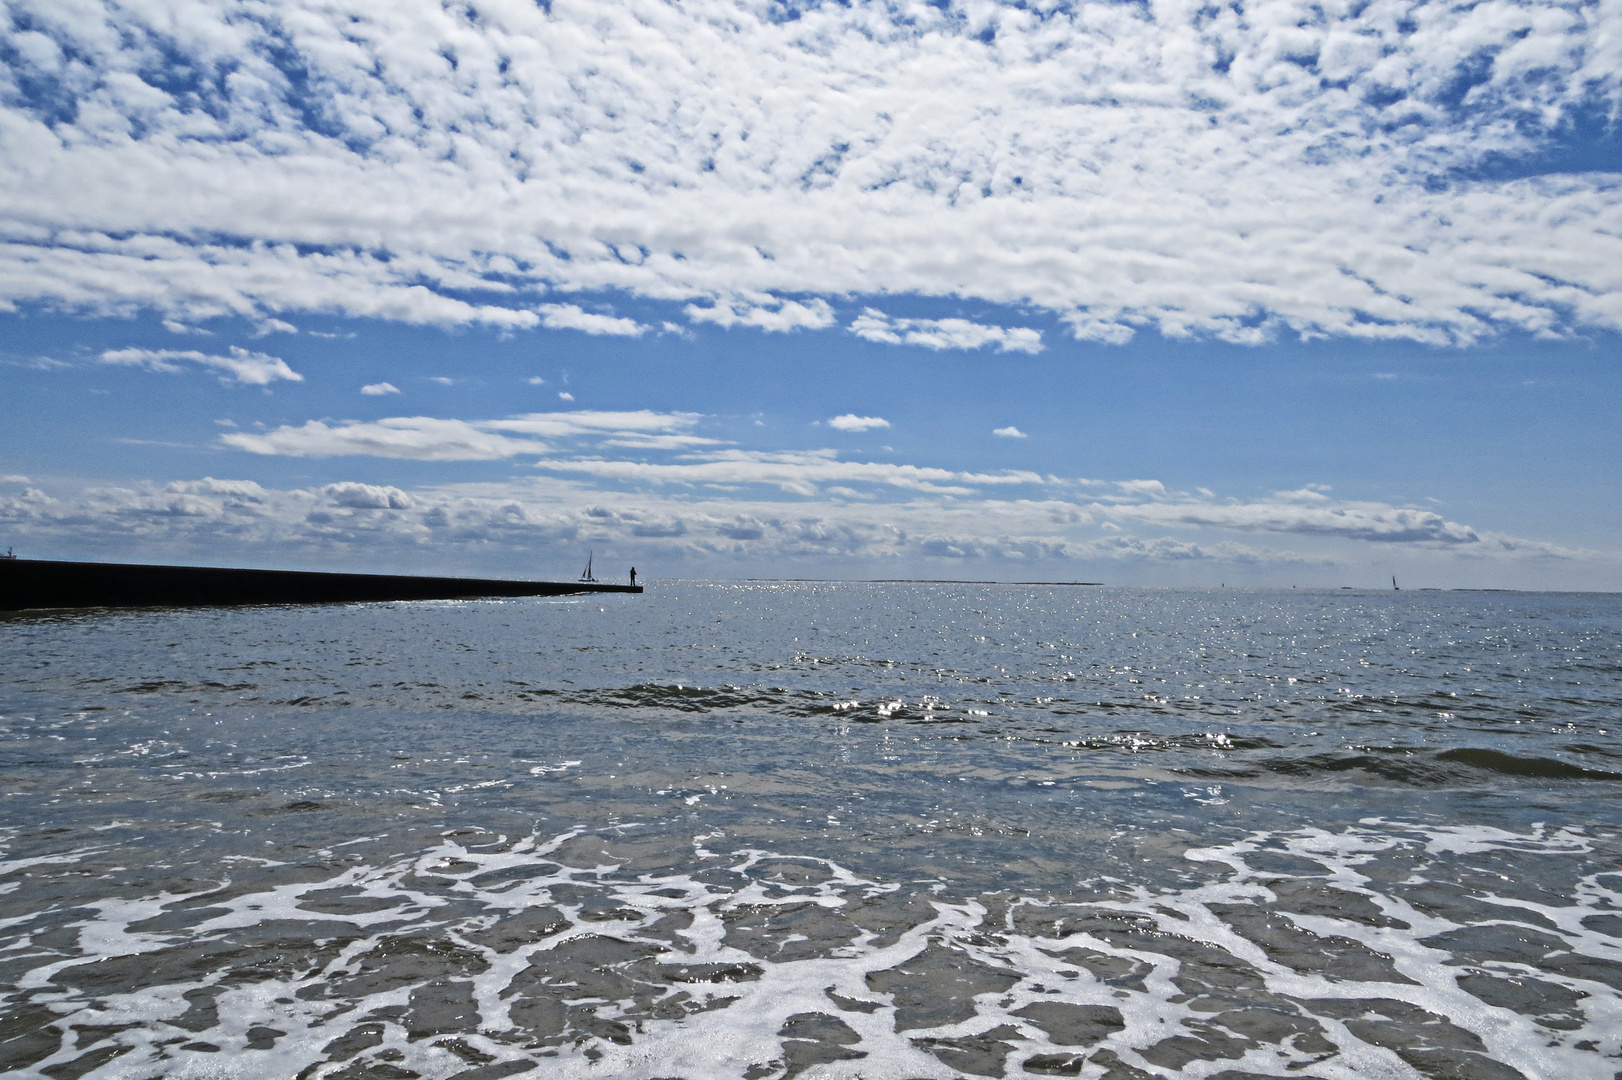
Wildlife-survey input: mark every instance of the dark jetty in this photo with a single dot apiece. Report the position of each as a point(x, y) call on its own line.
point(39, 583)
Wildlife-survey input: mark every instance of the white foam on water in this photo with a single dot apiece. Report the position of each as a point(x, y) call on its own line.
point(731, 1010)
point(1510, 1038)
point(11, 866)
point(562, 766)
point(1460, 840)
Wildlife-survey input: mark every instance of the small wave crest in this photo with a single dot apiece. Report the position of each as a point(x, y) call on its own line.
point(1516, 765)
point(1423, 767)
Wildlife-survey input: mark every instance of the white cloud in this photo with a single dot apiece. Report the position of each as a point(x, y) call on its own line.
point(661, 442)
point(874, 325)
point(1141, 489)
point(378, 389)
point(1286, 169)
point(442, 380)
point(241, 366)
point(564, 395)
point(1106, 327)
point(803, 472)
point(1366, 521)
point(1009, 432)
point(233, 491)
point(424, 438)
point(852, 422)
point(368, 497)
point(37, 363)
point(584, 422)
point(770, 314)
point(573, 317)
point(535, 380)
point(416, 438)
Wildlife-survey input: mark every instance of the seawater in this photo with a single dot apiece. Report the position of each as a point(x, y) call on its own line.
point(768, 831)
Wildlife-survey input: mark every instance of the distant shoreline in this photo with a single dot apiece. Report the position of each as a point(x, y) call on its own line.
point(916, 581)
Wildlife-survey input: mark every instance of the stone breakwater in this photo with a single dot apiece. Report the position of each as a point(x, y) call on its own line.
point(38, 583)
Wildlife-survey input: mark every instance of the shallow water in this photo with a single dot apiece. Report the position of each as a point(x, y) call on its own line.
point(767, 831)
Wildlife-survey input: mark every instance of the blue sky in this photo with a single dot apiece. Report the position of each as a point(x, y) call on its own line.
point(1274, 293)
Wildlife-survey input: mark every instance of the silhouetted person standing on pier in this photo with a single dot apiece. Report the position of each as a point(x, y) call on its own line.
point(633, 577)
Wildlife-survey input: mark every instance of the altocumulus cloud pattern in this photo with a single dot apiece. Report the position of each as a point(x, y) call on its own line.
point(1241, 170)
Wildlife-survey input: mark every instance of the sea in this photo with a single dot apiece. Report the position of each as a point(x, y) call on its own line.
point(769, 830)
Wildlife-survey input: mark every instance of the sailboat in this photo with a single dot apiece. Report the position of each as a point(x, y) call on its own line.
point(585, 575)
point(1394, 583)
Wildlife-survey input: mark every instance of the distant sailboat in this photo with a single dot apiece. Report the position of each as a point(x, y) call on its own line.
point(1394, 583)
point(586, 574)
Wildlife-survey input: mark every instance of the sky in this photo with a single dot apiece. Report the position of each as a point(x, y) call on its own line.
point(1167, 293)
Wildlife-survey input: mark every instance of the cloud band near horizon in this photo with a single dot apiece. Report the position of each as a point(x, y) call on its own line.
point(493, 526)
